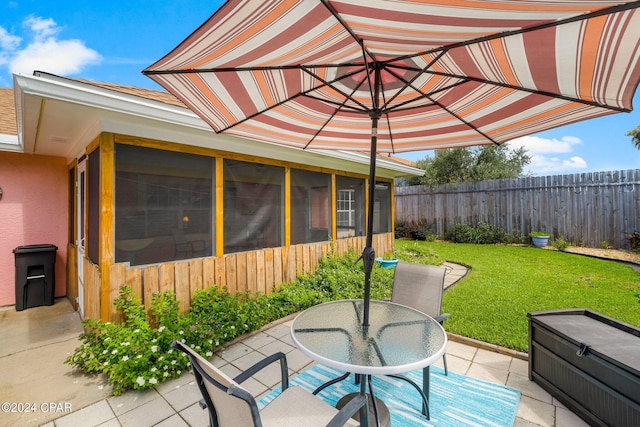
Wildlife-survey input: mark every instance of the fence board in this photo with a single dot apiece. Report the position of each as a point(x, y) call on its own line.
point(182, 286)
point(590, 208)
point(151, 284)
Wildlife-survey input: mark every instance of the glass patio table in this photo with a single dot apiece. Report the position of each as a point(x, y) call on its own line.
point(398, 339)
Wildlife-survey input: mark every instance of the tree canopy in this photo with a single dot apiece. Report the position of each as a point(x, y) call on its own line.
point(455, 165)
point(635, 137)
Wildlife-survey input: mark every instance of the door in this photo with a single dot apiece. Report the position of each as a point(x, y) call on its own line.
point(81, 213)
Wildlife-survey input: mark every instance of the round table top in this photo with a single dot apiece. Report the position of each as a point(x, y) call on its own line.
point(398, 338)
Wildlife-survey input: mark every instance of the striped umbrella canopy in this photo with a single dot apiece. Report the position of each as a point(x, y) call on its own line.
point(395, 76)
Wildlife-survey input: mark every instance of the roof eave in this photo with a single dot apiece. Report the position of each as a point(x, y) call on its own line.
point(182, 120)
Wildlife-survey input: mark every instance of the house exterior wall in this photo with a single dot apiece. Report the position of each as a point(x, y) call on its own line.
point(33, 210)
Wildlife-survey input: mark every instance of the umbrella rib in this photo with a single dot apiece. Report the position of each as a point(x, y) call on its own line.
point(251, 69)
point(348, 29)
point(398, 107)
point(533, 91)
point(466, 123)
point(583, 17)
point(337, 104)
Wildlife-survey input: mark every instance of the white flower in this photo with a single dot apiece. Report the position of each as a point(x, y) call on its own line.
point(140, 381)
point(181, 332)
point(173, 362)
point(125, 358)
point(136, 331)
point(115, 351)
point(209, 354)
point(154, 348)
point(105, 352)
point(153, 380)
point(161, 328)
point(166, 374)
point(139, 356)
point(154, 369)
point(124, 344)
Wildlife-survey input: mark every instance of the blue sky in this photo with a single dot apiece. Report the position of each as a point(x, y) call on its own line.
point(113, 41)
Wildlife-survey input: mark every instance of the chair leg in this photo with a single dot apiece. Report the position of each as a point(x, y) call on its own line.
point(444, 360)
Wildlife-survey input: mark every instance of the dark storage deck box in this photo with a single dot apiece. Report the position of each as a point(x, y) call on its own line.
point(589, 362)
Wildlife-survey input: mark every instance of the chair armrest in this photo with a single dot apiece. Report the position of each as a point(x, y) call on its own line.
point(349, 410)
point(440, 319)
point(284, 369)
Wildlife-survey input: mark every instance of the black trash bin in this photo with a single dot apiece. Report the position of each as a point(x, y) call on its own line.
point(35, 275)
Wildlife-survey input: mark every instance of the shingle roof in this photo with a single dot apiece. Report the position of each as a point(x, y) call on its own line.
point(155, 95)
point(7, 112)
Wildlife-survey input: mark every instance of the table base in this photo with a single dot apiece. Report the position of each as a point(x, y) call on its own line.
point(383, 411)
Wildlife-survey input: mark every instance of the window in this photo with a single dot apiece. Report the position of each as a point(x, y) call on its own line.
point(253, 206)
point(164, 205)
point(349, 207)
point(310, 201)
point(382, 208)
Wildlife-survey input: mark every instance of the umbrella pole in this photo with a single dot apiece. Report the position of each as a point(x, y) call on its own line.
point(369, 255)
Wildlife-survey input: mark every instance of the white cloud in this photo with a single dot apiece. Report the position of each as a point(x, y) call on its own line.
point(547, 154)
point(44, 51)
point(537, 145)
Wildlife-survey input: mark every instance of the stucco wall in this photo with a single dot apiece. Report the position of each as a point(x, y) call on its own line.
point(33, 210)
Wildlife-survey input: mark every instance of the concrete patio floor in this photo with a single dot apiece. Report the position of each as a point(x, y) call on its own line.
point(35, 343)
point(175, 403)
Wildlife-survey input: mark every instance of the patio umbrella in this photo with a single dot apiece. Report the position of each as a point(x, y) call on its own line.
point(395, 76)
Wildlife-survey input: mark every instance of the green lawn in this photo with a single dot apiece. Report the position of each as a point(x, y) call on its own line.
point(507, 282)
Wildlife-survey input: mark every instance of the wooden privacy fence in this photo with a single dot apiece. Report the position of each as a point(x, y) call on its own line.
point(587, 208)
point(260, 270)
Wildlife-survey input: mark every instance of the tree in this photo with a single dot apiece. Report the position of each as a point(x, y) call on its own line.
point(455, 165)
point(635, 137)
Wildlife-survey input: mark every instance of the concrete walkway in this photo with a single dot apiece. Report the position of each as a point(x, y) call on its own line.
point(35, 342)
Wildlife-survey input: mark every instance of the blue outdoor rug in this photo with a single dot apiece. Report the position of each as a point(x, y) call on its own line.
point(455, 400)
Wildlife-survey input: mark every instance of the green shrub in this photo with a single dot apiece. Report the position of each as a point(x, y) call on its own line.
point(419, 230)
point(132, 355)
point(634, 239)
point(401, 230)
point(482, 233)
point(560, 243)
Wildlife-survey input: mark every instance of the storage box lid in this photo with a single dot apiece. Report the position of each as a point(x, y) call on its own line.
point(616, 341)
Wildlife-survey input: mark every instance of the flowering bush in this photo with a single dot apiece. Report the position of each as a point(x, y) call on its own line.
point(133, 354)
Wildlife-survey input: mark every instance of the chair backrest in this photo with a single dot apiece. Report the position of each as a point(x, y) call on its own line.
point(419, 286)
point(229, 404)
